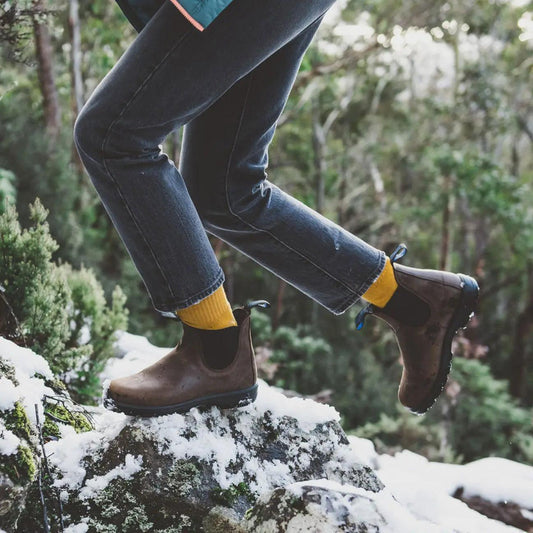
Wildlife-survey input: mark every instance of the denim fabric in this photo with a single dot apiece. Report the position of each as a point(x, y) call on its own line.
point(227, 86)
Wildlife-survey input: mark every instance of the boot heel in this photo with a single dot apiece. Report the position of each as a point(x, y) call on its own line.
point(236, 399)
point(469, 295)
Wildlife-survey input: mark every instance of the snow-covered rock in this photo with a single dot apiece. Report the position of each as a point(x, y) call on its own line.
point(278, 465)
point(27, 389)
point(155, 474)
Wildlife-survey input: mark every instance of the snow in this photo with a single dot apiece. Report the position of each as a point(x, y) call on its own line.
point(29, 367)
point(9, 394)
point(134, 353)
point(363, 451)
point(368, 506)
point(26, 362)
point(67, 453)
point(426, 488)
point(308, 412)
point(8, 441)
point(93, 486)
point(76, 528)
point(418, 494)
point(217, 445)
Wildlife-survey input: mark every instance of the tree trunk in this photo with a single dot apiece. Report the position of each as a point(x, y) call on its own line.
point(446, 224)
point(76, 84)
point(523, 329)
point(75, 56)
point(282, 285)
point(45, 70)
point(319, 143)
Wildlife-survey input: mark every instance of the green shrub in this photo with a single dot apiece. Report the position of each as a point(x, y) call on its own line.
point(405, 431)
point(486, 420)
point(93, 325)
point(62, 312)
point(8, 192)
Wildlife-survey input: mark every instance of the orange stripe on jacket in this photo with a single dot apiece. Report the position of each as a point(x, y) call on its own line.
point(194, 22)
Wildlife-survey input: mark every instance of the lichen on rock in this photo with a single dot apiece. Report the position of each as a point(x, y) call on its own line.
point(30, 394)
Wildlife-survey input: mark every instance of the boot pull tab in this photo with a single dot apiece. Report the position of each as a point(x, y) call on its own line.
point(360, 318)
point(398, 253)
point(257, 303)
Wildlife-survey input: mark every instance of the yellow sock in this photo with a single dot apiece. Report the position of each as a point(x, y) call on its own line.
point(381, 291)
point(213, 312)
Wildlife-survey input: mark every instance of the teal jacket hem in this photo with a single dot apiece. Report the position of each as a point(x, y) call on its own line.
point(201, 12)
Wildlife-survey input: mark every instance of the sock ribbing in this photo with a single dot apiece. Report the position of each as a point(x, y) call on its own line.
point(213, 312)
point(381, 291)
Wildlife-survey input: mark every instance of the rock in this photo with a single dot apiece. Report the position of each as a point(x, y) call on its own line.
point(200, 471)
point(278, 465)
point(507, 512)
point(30, 393)
point(325, 506)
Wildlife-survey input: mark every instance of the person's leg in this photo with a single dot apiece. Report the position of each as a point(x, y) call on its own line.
point(169, 75)
point(223, 161)
point(238, 203)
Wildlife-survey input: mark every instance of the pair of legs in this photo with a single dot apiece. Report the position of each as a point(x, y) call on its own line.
point(227, 86)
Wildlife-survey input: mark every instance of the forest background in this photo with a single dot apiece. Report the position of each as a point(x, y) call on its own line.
point(408, 122)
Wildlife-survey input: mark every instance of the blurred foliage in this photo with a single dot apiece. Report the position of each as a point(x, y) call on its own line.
point(485, 419)
point(427, 143)
point(63, 312)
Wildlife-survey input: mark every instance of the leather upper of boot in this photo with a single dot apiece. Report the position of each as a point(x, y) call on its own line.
point(183, 375)
point(423, 341)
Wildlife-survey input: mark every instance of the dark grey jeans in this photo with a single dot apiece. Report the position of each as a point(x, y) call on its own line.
point(227, 86)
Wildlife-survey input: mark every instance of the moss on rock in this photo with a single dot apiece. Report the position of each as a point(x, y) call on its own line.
point(20, 467)
point(184, 477)
point(230, 495)
point(16, 420)
point(60, 413)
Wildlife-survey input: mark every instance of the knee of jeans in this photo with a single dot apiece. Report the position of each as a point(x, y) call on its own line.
point(234, 205)
point(98, 137)
point(88, 133)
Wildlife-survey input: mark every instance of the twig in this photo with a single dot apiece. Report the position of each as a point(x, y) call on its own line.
point(18, 330)
point(81, 410)
point(49, 473)
point(43, 501)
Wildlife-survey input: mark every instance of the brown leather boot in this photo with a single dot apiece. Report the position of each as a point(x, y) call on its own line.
point(182, 380)
point(425, 313)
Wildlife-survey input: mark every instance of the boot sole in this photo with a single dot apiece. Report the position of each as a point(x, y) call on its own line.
point(463, 314)
point(227, 400)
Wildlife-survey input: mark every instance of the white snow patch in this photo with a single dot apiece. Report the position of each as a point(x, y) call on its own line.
point(133, 354)
point(498, 480)
point(31, 389)
point(362, 451)
point(418, 493)
point(77, 528)
point(66, 454)
point(308, 412)
point(426, 489)
point(8, 395)
point(9, 442)
point(369, 506)
point(528, 515)
point(93, 486)
point(84, 336)
point(25, 361)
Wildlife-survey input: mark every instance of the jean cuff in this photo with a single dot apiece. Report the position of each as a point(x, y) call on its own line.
point(355, 297)
point(168, 309)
